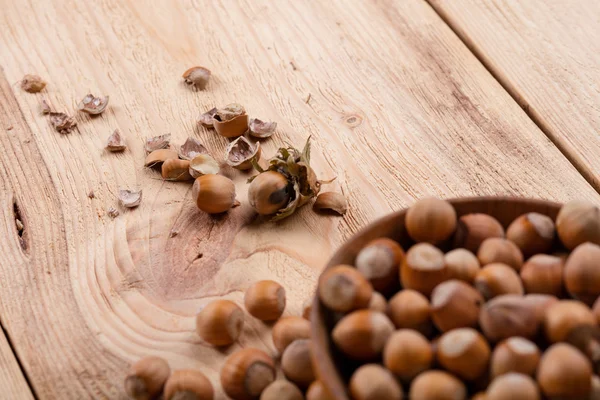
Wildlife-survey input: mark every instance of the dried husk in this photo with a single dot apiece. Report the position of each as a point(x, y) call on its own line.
point(191, 148)
point(157, 157)
point(93, 105)
point(207, 119)
point(261, 129)
point(158, 142)
point(62, 122)
point(331, 201)
point(32, 83)
point(241, 152)
point(197, 76)
point(231, 121)
point(203, 164)
point(115, 142)
point(130, 198)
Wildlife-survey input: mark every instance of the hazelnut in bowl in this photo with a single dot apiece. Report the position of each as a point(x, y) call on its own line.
point(463, 298)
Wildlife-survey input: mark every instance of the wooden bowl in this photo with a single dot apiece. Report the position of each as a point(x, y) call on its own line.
point(332, 368)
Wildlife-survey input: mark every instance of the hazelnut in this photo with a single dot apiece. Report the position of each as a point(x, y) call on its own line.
point(437, 385)
point(515, 354)
point(213, 194)
point(462, 264)
point(543, 274)
point(296, 363)
point(532, 232)
point(473, 229)
point(455, 304)
point(500, 250)
point(220, 322)
point(317, 391)
point(578, 222)
point(410, 309)
point(497, 279)
point(582, 275)
point(188, 384)
point(362, 334)
point(586, 338)
point(158, 157)
point(175, 169)
point(564, 372)
point(539, 303)
point(247, 373)
point(378, 302)
point(513, 386)
point(373, 382)
point(32, 83)
point(508, 315)
point(407, 353)
point(281, 390)
point(197, 76)
point(464, 352)
point(146, 378)
point(288, 329)
point(430, 220)
point(265, 300)
point(423, 268)
point(564, 315)
point(269, 192)
point(379, 262)
point(231, 121)
point(343, 288)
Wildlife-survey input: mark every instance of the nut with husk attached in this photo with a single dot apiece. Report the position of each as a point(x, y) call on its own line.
point(261, 129)
point(62, 122)
point(197, 76)
point(32, 83)
point(191, 148)
point(331, 201)
point(115, 142)
point(146, 378)
point(241, 153)
point(207, 119)
point(93, 105)
point(158, 142)
point(203, 164)
point(231, 121)
point(130, 198)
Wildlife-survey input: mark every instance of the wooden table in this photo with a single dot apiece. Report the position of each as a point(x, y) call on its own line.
point(402, 98)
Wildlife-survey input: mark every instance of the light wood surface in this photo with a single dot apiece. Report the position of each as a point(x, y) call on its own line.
point(546, 53)
point(12, 380)
point(398, 109)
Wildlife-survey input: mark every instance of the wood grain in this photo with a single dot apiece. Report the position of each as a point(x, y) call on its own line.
point(546, 53)
point(12, 381)
point(398, 109)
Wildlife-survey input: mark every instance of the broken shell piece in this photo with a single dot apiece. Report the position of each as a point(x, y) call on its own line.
point(191, 148)
point(45, 107)
point(62, 122)
point(112, 212)
point(231, 121)
point(206, 119)
point(331, 201)
point(241, 152)
point(157, 157)
point(130, 198)
point(197, 76)
point(93, 105)
point(115, 142)
point(175, 169)
point(158, 142)
point(203, 164)
point(262, 129)
point(32, 83)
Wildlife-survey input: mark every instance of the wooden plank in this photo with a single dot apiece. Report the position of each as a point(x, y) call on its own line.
point(12, 381)
point(546, 53)
point(398, 109)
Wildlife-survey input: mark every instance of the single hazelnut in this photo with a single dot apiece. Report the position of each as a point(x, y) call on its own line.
point(407, 353)
point(379, 262)
point(343, 288)
point(515, 354)
point(411, 310)
point(213, 194)
point(175, 169)
point(582, 275)
point(220, 322)
point(373, 382)
point(578, 222)
point(533, 233)
point(362, 334)
point(437, 385)
point(508, 315)
point(247, 373)
point(543, 274)
point(423, 268)
point(281, 390)
point(498, 279)
point(455, 304)
point(564, 315)
point(231, 121)
point(269, 192)
point(265, 300)
point(317, 391)
point(296, 363)
point(462, 264)
point(473, 229)
point(146, 378)
point(464, 352)
point(500, 250)
point(197, 76)
point(539, 303)
point(288, 329)
point(158, 157)
point(430, 220)
point(513, 386)
point(188, 384)
point(378, 302)
point(564, 372)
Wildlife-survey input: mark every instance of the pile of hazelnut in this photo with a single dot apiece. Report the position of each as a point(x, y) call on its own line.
point(501, 315)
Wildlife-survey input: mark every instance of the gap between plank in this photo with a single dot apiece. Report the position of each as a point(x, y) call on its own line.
point(533, 115)
point(21, 368)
